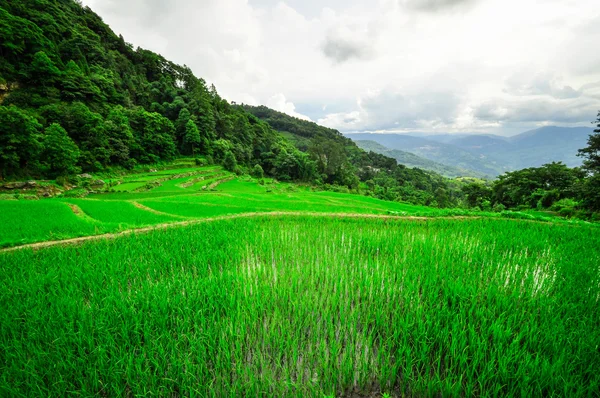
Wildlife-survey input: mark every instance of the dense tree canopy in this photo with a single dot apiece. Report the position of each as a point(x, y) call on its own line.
point(63, 69)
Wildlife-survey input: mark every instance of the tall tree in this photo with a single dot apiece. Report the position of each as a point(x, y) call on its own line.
point(229, 162)
point(181, 123)
point(192, 136)
point(60, 152)
point(43, 72)
point(591, 153)
point(20, 142)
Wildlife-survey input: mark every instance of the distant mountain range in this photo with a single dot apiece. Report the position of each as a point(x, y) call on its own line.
point(411, 160)
point(486, 154)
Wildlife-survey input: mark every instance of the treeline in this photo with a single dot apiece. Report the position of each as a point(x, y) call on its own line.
point(571, 192)
point(341, 162)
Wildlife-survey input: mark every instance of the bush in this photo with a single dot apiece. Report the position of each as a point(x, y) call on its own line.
point(238, 170)
point(486, 205)
point(498, 208)
point(229, 161)
point(567, 212)
point(564, 203)
point(257, 171)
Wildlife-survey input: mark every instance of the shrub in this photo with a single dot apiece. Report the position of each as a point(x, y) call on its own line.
point(229, 161)
point(564, 203)
point(498, 208)
point(257, 171)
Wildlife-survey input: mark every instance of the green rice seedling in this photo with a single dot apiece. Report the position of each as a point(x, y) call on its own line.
point(181, 196)
point(308, 306)
point(123, 213)
point(32, 221)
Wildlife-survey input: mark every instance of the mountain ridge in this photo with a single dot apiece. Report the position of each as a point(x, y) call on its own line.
point(495, 154)
point(411, 160)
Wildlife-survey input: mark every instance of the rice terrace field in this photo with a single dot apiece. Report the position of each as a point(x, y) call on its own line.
point(216, 285)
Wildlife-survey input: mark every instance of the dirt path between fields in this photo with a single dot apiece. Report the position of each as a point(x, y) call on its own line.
point(74, 241)
point(76, 209)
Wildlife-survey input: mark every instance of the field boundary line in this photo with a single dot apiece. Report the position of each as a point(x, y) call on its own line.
point(157, 212)
point(78, 211)
point(219, 182)
point(142, 230)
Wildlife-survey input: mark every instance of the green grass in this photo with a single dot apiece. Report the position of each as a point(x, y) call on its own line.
point(122, 213)
point(168, 183)
point(308, 307)
point(236, 185)
point(181, 195)
point(32, 221)
point(197, 209)
point(131, 186)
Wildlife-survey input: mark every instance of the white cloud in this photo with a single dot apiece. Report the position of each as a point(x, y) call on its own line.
point(454, 65)
point(539, 83)
point(436, 5)
point(279, 103)
point(396, 109)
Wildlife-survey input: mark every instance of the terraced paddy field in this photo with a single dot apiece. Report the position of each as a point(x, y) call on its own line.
point(169, 196)
point(188, 194)
point(214, 285)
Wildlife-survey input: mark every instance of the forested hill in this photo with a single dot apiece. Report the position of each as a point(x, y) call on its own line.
point(75, 96)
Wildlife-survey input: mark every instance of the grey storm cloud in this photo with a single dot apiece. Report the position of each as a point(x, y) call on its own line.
point(346, 42)
point(542, 98)
point(436, 5)
point(342, 49)
point(393, 109)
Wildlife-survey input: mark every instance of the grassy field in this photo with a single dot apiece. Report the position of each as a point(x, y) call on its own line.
point(187, 193)
point(308, 307)
point(303, 304)
point(184, 193)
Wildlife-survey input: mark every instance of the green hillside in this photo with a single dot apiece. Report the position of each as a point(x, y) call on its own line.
point(75, 97)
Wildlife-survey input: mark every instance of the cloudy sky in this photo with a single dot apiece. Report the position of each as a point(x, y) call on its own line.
point(499, 66)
